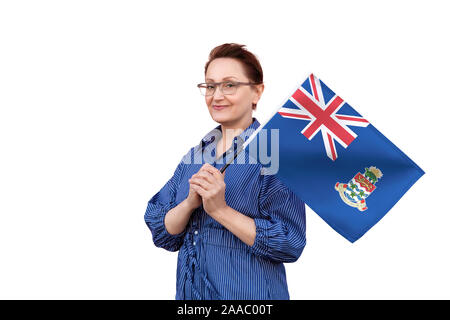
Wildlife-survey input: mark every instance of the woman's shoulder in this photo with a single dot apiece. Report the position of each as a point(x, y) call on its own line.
point(188, 156)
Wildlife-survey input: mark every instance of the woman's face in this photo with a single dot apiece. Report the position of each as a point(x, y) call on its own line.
point(236, 107)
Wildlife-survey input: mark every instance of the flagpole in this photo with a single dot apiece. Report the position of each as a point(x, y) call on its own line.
point(253, 135)
point(247, 142)
point(230, 161)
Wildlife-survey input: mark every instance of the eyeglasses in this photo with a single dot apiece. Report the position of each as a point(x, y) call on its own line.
point(226, 87)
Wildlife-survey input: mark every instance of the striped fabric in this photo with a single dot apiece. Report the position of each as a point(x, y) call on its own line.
point(212, 262)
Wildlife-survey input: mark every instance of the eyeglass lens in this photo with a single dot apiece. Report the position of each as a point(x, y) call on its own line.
point(226, 88)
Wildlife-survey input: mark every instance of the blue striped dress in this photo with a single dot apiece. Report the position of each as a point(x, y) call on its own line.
point(212, 262)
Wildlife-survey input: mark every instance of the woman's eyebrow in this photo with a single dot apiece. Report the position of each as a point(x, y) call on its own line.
point(222, 79)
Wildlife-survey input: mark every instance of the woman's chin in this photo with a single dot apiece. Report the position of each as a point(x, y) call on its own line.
point(221, 116)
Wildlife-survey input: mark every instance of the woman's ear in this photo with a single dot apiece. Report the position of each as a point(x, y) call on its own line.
point(259, 90)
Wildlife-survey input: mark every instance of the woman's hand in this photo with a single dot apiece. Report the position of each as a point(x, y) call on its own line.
point(209, 183)
point(193, 199)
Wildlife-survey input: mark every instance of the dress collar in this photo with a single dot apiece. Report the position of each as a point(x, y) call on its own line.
point(217, 132)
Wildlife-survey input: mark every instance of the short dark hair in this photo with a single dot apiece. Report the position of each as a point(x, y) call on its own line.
point(250, 62)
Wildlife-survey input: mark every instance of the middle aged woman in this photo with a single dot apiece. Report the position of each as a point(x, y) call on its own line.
point(234, 230)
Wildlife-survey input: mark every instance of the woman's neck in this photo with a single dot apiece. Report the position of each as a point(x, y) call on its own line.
point(229, 131)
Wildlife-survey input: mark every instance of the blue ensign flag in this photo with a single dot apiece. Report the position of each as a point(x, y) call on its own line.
point(336, 161)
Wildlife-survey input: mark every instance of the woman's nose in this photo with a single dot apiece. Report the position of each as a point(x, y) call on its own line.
point(218, 94)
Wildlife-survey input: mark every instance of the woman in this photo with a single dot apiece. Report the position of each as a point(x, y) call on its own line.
point(234, 230)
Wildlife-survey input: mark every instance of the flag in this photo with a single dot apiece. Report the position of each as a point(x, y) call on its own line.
point(336, 161)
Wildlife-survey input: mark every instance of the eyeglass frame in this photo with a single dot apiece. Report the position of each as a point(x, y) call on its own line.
point(238, 83)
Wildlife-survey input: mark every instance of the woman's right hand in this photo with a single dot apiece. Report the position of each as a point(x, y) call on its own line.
point(193, 199)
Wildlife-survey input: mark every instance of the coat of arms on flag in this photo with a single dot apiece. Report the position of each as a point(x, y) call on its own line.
point(355, 192)
point(310, 162)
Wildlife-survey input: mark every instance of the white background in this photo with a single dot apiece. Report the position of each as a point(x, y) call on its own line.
point(98, 105)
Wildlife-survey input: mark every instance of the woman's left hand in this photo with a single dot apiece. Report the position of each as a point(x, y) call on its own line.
point(209, 183)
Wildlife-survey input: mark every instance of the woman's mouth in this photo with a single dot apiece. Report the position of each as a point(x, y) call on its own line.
point(219, 107)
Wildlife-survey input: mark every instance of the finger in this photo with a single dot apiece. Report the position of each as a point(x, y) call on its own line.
point(207, 165)
point(201, 172)
point(206, 175)
point(217, 174)
point(201, 182)
point(214, 171)
point(205, 168)
point(198, 189)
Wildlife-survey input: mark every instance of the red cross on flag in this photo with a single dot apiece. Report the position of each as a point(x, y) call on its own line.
point(323, 117)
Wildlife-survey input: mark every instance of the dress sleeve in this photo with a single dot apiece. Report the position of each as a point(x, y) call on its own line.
point(157, 208)
point(281, 230)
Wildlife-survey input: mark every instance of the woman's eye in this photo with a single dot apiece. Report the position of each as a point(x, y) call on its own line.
point(210, 87)
point(230, 85)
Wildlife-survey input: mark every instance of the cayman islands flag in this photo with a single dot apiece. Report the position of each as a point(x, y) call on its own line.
point(336, 161)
